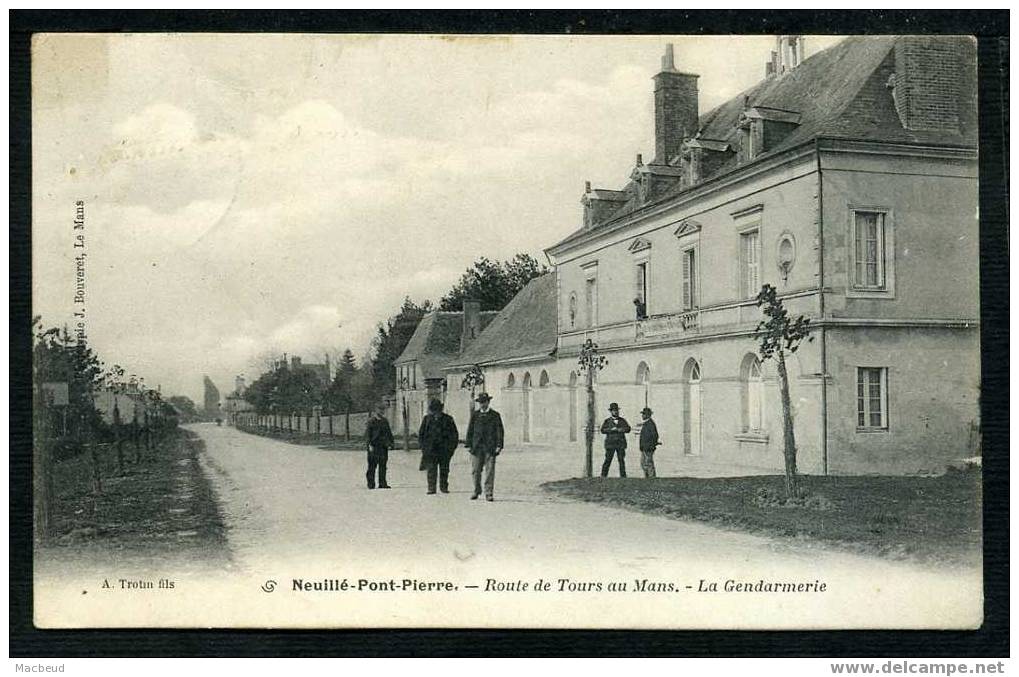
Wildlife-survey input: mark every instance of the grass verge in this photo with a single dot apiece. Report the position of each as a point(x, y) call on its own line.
point(934, 520)
point(161, 512)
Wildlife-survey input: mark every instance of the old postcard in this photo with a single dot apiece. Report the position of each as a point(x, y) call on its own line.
point(356, 331)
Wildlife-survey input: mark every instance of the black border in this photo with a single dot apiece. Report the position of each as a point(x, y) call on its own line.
point(992, 30)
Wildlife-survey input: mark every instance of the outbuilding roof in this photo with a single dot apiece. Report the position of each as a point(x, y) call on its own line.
point(436, 340)
point(525, 328)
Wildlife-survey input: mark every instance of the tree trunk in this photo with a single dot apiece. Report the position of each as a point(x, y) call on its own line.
point(406, 426)
point(589, 428)
point(346, 425)
point(788, 435)
point(97, 473)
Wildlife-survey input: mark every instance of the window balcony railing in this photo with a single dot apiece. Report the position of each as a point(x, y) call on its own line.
point(660, 326)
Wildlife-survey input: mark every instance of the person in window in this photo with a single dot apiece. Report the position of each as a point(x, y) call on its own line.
point(615, 429)
point(484, 440)
point(438, 437)
point(648, 443)
point(641, 309)
point(379, 437)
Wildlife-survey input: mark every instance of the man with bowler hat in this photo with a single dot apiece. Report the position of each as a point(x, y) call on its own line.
point(484, 440)
point(615, 429)
point(438, 437)
point(379, 437)
point(648, 443)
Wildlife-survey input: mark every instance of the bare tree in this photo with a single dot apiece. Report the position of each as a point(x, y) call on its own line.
point(591, 361)
point(778, 334)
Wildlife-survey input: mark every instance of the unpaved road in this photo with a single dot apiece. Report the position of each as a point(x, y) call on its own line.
point(298, 512)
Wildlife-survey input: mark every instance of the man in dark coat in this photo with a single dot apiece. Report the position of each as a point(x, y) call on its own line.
point(379, 437)
point(484, 440)
point(438, 437)
point(615, 429)
point(648, 442)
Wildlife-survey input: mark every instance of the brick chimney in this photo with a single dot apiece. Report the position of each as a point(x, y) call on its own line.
point(471, 323)
point(927, 83)
point(675, 108)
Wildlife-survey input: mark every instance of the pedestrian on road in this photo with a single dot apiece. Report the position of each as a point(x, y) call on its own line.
point(379, 437)
point(484, 440)
point(648, 443)
point(615, 429)
point(438, 437)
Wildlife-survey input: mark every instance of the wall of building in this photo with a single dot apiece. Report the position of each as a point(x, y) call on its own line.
point(933, 212)
point(933, 398)
point(787, 197)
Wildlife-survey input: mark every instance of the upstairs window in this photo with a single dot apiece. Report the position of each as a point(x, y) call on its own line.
point(590, 292)
point(869, 247)
point(750, 263)
point(573, 311)
point(641, 290)
point(690, 279)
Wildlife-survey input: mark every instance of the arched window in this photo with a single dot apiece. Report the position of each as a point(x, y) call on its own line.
point(644, 381)
point(692, 408)
point(511, 380)
point(573, 311)
point(752, 386)
point(527, 380)
point(543, 379)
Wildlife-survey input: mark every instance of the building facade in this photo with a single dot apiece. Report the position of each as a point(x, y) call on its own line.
point(848, 181)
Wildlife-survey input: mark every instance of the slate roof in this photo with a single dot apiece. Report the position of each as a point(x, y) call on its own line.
point(436, 340)
point(839, 92)
point(525, 328)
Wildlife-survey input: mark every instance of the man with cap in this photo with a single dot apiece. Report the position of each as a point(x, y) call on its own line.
point(484, 440)
point(615, 429)
point(438, 437)
point(648, 442)
point(379, 437)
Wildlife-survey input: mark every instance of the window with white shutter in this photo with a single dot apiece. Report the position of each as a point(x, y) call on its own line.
point(872, 398)
point(689, 279)
point(750, 263)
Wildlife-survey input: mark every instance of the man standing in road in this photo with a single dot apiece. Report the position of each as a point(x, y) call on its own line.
point(615, 429)
point(438, 437)
point(648, 443)
point(380, 439)
point(484, 440)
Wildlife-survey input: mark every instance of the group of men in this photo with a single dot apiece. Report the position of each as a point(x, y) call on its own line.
point(439, 438)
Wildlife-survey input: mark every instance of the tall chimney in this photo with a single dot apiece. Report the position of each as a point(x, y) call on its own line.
point(675, 108)
point(471, 323)
point(239, 384)
point(928, 85)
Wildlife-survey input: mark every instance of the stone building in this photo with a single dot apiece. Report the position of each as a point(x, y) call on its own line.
point(235, 403)
point(847, 180)
point(439, 338)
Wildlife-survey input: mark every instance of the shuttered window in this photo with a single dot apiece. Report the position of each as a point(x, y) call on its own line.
point(750, 263)
point(689, 279)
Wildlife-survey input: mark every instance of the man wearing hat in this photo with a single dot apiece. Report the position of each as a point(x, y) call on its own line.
point(438, 437)
point(615, 429)
point(648, 442)
point(379, 437)
point(484, 440)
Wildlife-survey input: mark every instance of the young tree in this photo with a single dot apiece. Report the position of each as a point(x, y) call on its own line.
point(474, 378)
point(591, 361)
point(778, 334)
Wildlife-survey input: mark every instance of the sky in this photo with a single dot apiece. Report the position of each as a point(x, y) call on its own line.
point(249, 195)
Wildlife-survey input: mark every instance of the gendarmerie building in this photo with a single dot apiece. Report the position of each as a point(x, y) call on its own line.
point(848, 181)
